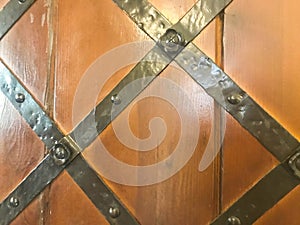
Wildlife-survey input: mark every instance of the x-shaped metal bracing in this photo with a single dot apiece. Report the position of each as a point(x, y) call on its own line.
point(173, 43)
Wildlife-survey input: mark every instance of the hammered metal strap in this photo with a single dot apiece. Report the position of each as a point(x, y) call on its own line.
point(144, 72)
point(63, 150)
point(100, 117)
point(29, 109)
point(213, 80)
point(232, 98)
point(102, 197)
point(260, 198)
point(28, 190)
point(11, 12)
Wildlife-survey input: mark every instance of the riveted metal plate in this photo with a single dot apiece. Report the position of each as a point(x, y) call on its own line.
point(100, 117)
point(29, 109)
point(234, 100)
point(41, 176)
point(11, 12)
point(143, 73)
point(265, 194)
point(198, 17)
point(218, 84)
point(38, 179)
point(146, 16)
point(102, 197)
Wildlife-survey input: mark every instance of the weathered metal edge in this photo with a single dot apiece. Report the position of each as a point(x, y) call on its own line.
point(11, 13)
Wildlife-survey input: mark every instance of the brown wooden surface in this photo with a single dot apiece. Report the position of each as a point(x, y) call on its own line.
point(109, 27)
point(54, 43)
point(261, 56)
point(24, 50)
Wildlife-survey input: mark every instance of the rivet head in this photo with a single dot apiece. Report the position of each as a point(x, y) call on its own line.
point(13, 202)
point(235, 99)
point(60, 154)
point(297, 163)
point(114, 212)
point(172, 41)
point(115, 99)
point(233, 220)
point(20, 98)
point(22, 1)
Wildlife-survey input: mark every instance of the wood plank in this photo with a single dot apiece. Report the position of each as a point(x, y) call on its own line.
point(260, 56)
point(67, 199)
point(87, 30)
point(24, 50)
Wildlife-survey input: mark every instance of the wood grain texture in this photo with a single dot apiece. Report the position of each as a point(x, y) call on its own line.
point(69, 205)
point(24, 50)
point(260, 56)
point(87, 30)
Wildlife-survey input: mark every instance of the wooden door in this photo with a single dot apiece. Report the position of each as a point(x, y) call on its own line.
point(55, 43)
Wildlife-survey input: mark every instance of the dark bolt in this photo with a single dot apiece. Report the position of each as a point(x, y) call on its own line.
point(233, 220)
point(20, 98)
point(114, 212)
point(172, 41)
point(13, 202)
point(235, 99)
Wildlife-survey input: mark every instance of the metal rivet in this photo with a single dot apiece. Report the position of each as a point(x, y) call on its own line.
point(235, 99)
point(114, 212)
point(13, 202)
point(172, 41)
point(233, 220)
point(22, 1)
point(20, 98)
point(297, 163)
point(115, 99)
point(60, 154)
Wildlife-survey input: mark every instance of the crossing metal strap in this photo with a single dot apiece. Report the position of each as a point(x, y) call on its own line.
point(102, 197)
point(213, 80)
point(263, 196)
point(147, 69)
point(63, 150)
point(11, 12)
point(242, 107)
point(234, 100)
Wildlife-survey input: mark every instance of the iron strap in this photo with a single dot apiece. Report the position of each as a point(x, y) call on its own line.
point(102, 197)
point(63, 150)
point(235, 101)
point(102, 115)
point(11, 12)
point(29, 109)
point(261, 197)
point(212, 79)
point(248, 113)
point(145, 71)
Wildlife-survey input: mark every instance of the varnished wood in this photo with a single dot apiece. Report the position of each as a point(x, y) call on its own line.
point(24, 50)
point(260, 56)
point(55, 42)
point(189, 196)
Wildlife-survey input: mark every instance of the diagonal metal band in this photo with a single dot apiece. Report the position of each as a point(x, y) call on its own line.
point(243, 108)
point(11, 13)
point(147, 69)
point(263, 196)
point(29, 109)
point(212, 79)
point(103, 113)
point(112, 208)
point(63, 150)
